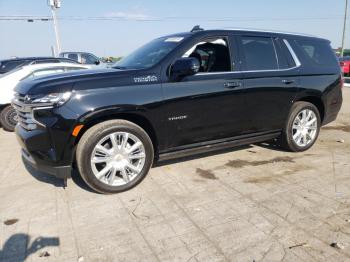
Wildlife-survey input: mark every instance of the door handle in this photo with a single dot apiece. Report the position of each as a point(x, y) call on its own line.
point(232, 85)
point(288, 81)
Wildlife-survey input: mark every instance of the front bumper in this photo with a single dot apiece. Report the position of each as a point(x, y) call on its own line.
point(62, 172)
point(38, 152)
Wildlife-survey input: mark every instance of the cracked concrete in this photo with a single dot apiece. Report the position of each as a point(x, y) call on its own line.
point(250, 203)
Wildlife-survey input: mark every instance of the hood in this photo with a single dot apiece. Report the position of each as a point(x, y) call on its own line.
point(79, 79)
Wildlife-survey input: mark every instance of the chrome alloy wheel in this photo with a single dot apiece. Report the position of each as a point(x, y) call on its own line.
point(118, 158)
point(304, 128)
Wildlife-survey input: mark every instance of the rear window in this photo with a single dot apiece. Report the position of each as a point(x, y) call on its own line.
point(318, 53)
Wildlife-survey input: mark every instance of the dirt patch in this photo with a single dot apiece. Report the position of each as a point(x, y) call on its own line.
point(242, 163)
point(276, 177)
point(10, 222)
point(207, 174)
point(341, 128)
point(252, 151)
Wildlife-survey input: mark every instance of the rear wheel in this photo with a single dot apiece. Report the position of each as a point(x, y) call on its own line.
point(302, 128)
point(114, 156)
point(8, 118)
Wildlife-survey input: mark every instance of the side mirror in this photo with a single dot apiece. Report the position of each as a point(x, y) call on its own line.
point(97, 62)
point(185, 66)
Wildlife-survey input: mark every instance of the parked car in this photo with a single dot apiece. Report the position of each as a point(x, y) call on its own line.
point(11, 64)
point(82, 57)
point(179, 95)
point(345, 65)
point(8, 116)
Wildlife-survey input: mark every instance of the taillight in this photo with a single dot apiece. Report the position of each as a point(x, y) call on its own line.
point(342, 63)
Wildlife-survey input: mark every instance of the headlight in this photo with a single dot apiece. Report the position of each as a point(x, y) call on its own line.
point(56, 99)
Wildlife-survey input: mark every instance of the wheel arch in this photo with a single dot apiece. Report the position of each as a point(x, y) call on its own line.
point(316, 101)
point(133, 117)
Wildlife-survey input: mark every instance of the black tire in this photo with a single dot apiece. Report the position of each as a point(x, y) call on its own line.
point(287, 135)
point(88, 142)
point(8, 118)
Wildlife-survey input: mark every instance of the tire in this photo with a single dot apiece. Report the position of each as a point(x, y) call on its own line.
point(8, 118)
point(89, 149)
point(287, 140)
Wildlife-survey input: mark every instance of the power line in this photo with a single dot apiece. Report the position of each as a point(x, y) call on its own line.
point(169, 18)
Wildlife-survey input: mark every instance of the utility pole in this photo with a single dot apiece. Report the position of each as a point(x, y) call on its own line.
point(54, 5)
point(344, 29)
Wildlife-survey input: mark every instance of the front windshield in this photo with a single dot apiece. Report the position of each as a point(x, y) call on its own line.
point(150, 54)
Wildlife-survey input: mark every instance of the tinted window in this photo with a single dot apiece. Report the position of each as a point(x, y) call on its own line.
point(73, 56)
point(285, 58)
point(10, 65)
point(88, 59)
point(259, 53)
point(213, 55)
point(318, 53)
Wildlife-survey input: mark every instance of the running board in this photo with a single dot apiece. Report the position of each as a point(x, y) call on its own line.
point(213, 146)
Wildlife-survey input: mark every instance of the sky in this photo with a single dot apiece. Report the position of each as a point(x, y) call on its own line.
point(136, 22)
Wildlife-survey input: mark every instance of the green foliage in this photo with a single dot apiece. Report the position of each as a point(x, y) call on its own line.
point(111, 59)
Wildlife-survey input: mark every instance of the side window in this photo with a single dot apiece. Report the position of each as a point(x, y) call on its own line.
point(8, 66)
point(285, 58)
point(213, 55)
point(318, 53)
point(259, 53)
point(88, 59)
point(73, 56)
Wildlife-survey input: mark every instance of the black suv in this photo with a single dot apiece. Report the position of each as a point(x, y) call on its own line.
point(178, 95)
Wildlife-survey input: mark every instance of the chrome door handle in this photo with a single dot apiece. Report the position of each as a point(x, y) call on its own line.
point(232, 85)
point(288, 82)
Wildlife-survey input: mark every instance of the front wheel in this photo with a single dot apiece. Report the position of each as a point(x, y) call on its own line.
point(302, 128)
point(8, 118)
point(114, 156)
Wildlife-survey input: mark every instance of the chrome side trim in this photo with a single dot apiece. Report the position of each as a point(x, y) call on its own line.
point(295, 57)
point(251, 71)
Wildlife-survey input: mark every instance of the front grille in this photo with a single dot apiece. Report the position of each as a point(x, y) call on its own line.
point(24, 112)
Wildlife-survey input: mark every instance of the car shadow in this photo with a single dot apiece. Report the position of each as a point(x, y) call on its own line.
point(17, 248)
point(43, 177)
point(49, 179)
point(79, 181)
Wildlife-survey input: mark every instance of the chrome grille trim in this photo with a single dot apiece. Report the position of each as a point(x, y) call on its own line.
point(25, 112)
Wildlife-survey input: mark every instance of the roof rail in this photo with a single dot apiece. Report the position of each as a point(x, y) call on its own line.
point(266, 31)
